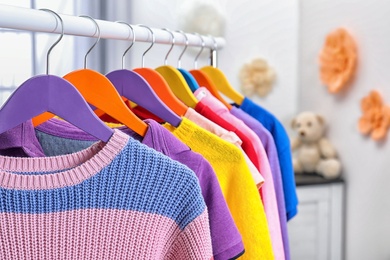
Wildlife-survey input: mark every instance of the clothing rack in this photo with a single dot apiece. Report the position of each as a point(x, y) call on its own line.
point(20, 18)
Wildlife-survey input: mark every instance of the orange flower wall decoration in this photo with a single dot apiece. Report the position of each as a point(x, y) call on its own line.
point(338, 60)
point(376, 116)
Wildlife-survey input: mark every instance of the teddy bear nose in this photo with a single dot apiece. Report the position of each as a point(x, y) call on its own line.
point(302, 133)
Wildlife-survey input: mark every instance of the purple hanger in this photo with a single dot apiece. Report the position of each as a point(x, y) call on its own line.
point(134, 87)
point(49, 93)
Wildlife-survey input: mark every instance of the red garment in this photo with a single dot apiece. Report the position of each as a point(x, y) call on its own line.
point(139, 111)
point(247, 145)
point(145, 114)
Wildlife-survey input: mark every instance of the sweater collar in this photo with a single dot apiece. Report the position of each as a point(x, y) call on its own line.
point(70, 169)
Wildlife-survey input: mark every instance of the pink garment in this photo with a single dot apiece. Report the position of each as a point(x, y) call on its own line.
point(268, 189)
point(104, 202)
point(226, 135)
point(112, 240)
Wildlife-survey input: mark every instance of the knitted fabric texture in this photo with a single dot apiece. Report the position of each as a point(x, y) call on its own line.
point(119, 200)
point(247, 145)
point(270, 147)
point(226, 135)
point(267, 191)
point(225, 238)
point(237, 186)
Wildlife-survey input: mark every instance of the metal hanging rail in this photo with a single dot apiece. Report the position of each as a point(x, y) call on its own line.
point(19, 18)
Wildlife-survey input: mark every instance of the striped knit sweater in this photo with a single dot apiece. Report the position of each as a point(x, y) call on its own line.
point(115, 200)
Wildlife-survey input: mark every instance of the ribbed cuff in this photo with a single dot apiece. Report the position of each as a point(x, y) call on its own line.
point(232, 252)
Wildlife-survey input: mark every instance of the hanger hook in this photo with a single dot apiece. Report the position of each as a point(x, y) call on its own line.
point(215, 45)
point(185, 48)
point(173, 44)
point(213, 53)
point(98, 38)
point(58, 40)
point(132, 42)
point(153, 41)
point(197, 56)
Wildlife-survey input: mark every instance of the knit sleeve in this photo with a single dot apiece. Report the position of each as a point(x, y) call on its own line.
point(194, 241)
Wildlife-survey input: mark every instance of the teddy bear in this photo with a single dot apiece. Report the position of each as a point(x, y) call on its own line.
point(313, 153)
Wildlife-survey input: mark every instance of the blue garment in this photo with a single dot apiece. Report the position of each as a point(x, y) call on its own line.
point(115, 200)
point(282, 142)
point(129, 182)
point(225, 237)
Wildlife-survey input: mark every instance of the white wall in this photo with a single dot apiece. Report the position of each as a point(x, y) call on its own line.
point(366, 163)
point(266, 28)
point(271, 29)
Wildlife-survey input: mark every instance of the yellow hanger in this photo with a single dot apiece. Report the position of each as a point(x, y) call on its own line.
point(159, 84)
point(177, 82)
point(221, 82)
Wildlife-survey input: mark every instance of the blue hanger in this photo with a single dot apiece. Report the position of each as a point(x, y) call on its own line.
point(191, 81)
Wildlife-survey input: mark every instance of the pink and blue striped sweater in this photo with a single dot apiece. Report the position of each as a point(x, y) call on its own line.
point(115, 200)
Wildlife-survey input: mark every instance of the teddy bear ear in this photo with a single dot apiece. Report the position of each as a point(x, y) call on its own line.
point(293, 122)
point(320, 119)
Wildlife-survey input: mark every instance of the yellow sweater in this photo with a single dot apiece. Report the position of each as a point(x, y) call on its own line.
point(236, 183)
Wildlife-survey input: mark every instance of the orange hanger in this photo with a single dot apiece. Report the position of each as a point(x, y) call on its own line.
point(98, 91)
point(221, 82)
point(163, 91)
point(159, 84)
point(204, 81)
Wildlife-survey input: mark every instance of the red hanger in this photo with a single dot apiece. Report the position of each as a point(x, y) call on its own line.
point(160, 86)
